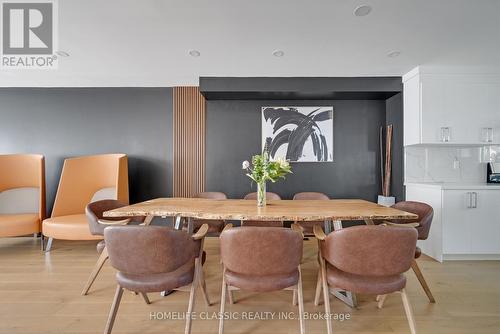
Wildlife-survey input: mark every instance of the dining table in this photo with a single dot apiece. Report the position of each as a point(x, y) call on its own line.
point(330, 212)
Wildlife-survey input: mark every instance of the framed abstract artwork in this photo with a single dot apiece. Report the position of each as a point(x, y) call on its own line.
point(299, 134)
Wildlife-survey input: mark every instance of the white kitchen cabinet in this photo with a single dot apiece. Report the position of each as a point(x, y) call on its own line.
point(456, 222)
point(485, 223)
point(451, 109)
point(466, 223)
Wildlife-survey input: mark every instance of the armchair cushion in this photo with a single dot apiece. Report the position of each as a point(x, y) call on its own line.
point(71, 227)
point(19, 224)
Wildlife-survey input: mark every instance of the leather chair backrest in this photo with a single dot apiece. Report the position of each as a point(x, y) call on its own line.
point(425, 214)
point(83, 177)
point(211, 195)
point(269, 196)
point(371, 250)
point(148, 249)
point(261, 251)
point(94, 211)
point(308, 195)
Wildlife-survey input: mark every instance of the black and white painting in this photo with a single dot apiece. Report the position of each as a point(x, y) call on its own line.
point(298, 133)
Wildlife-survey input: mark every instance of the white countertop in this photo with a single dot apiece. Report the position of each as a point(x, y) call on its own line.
point(464, 186)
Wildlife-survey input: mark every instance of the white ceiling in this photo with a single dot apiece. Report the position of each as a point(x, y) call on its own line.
point(146, 42)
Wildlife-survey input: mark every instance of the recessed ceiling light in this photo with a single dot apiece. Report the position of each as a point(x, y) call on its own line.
point(278, 53)
point(62, 53)
point(362, 10)
point(394, 54)
point(194, 53)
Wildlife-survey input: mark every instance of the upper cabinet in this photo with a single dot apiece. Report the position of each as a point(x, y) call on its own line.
point(451, 108)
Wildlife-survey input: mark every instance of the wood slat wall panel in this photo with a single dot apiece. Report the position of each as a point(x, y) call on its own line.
point(189, 142)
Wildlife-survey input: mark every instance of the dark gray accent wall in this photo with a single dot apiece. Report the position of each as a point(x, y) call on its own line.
point(234, 135)
point(68, 122)
point(394, 116)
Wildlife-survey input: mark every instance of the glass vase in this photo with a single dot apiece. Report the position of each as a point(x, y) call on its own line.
point(261, 194)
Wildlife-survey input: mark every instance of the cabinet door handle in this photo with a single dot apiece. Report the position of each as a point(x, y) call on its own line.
point(475, 199)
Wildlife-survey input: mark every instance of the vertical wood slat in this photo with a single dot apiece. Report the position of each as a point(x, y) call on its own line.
point(189, 142)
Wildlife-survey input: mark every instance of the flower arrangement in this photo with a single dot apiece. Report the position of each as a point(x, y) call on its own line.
point(263, 170)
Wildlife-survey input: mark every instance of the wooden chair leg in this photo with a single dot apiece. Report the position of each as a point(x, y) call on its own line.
point(381, 300)
point(203, 286)
point(408, 311)
point(326, 297)
point(145, 297)
point(114, 310)
point(317, 296)
point(422, 281)
point(294, 300)
point(301, 304)
point(192, 293)
point(97, 268)
point(222, 304)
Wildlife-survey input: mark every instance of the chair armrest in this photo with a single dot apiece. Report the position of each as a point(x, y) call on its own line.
point(297, 228)
point(319, 233)
point(202, 232)
point(413, 225)
point(114, 222)
point(227, 227)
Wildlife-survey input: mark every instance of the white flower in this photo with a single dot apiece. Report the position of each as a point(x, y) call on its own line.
point(245, 164)
point(283, 162)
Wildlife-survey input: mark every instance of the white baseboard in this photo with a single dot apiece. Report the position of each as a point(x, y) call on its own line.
point(482, 257)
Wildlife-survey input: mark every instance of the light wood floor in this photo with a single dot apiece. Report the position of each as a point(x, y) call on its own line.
point(40, 293)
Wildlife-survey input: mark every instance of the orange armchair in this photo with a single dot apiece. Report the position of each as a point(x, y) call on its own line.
point(84, 180)
point(22, 194)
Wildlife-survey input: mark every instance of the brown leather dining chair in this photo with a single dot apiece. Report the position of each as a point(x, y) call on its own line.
point(308, 195)
point(366, 259)
point(155, 259)
point(425, 214)
point(94, 212)
point(261, 259)
point(253, 197)
point(215, 226)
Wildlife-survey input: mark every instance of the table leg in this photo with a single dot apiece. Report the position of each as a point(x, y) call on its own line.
point(178, 223)
point(346, 296)
point(369, 222)
point(328, 227)
point(177, 226)
point(190, 225)
point(148, 220)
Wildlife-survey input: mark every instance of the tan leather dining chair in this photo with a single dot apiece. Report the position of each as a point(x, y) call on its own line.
point(425, 214)
point(22, 194)
point(155, 259)
point(215, 226)
point(85, 180)
point(368, 260)
point(309, 225)
point(261, 259)
point(94, 212)
point(253, 197)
